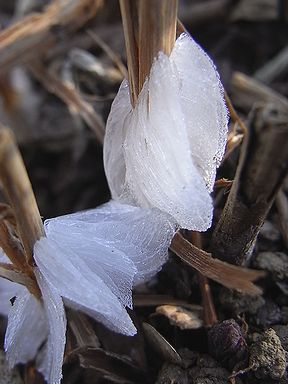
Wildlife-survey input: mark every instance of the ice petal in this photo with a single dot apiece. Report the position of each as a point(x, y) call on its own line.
point(203, 105)
point(130, 233)
point(80, 286)
point(51, 365)
point(83, 237)
point(164, 152)
point(26, 330)
point(114, 161)
point(159, 168)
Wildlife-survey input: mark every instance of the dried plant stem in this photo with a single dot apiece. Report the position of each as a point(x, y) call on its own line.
point(209, 313)
point(157, 32)
point(36, 33)
point(261, 170)
point(226, 274)
point(109, 52)
point(234, 115)
point(71, 98)
point(130, 26)
point(18, 190)
point(149, 27)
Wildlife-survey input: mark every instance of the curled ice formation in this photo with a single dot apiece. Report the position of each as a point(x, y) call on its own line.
point(164, 152)
point(89, 260)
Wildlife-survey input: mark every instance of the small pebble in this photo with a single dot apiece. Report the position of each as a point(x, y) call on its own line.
point(267, 356)
point(269, 314)
point(238, 303)
point(273, 262)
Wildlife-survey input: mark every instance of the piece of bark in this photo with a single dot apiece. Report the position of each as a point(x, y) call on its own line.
point(261, 170)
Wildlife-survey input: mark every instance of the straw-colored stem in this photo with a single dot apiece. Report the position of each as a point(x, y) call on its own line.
point(18, 190)
point(157, 32)
point(149, 27)
point(130, 26)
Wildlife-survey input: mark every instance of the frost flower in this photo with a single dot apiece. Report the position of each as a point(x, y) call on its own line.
point(164, 152)
point(89, 261)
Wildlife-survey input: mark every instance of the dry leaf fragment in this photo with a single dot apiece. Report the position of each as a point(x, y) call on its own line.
point(181, 317)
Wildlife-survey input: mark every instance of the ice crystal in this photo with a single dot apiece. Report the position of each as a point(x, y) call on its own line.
point(164, 152)
point(90, 261)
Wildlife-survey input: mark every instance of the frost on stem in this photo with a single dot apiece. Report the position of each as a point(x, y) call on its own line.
point(164, 152)
point(105, 251)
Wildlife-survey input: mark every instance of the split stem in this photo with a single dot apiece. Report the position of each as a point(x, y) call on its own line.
point(19, 193)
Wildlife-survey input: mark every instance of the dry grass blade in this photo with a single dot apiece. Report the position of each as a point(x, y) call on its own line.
point(113, 367)
point(161, 345)
point(34, 33)
point(154, 300)
point(234, 115)
point(226, 274)
point(110, 53)
point(71, 98)
point(18, 191)
point(82, 330)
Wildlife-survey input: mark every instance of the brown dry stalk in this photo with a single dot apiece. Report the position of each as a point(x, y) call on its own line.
point(262, 167)
point(109, 52)
point(19, 193)
point(71, 98)
point(157, 32)
point(234, 115)
point(226, 274)
point(37, 32)
point(149, 27)
point(129, 20)
point(209, 313)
